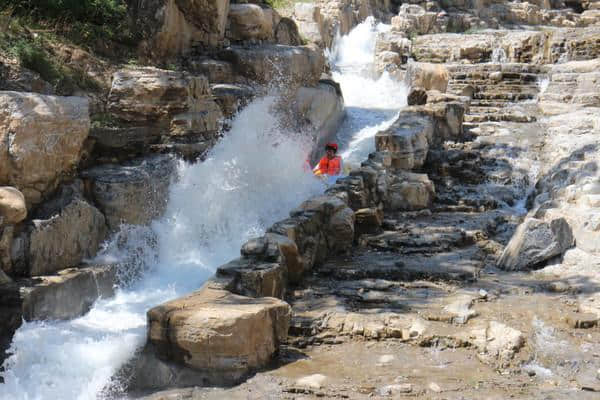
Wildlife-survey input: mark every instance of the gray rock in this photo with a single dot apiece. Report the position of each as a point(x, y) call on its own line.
point(534, 242)
point(69, 230)
point(408, 191)
point(133, 193)
point(254, 278)
point(407, 140)
point(68, 294)
point(417, 96)
point(12, 205)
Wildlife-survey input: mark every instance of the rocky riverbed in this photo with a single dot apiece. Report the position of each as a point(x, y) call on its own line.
point(459, 259)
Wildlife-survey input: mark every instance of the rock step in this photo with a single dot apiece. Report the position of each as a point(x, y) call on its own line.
point(462, 264)
point(496, 86)
point(505, 77)
point(499, 117)
point(68, 294)
point(519, 68)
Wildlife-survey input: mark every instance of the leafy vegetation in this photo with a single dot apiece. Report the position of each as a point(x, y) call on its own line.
point(33, 52)
point(84, 22)
point(285, 4)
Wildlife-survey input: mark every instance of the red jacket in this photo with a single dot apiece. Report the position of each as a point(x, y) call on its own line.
point(330, 167)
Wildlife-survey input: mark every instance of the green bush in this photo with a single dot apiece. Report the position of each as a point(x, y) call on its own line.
point(33, 57)
point(93, 11)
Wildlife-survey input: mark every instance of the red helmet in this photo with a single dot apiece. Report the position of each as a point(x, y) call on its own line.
point(332, 146)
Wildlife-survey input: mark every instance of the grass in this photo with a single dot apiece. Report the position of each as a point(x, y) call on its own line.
point(104, 120)
point(20, 41)
point(93, 24)
point(285, 4)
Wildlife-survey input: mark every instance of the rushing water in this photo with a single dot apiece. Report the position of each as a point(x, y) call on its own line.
point(372, 102)
point(251, 179)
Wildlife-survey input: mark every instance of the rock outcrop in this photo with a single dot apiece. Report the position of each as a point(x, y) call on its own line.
point(131, 193)
point(65, 237)
point(203, 331)
point(534, 242)
point(41, 140)
point(172, 106)
point(296, 65)
point(173, 26)
point(12, 206)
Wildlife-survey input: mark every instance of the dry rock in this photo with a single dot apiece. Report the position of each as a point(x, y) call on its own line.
point(69, 233)
point(178, 102)
point(250, 21)
point(427, 76)
point(408, 191)
point(133, 193)
point(12, 205)
point(41, 138)
point(406, 140)
point(173, 26)
point(534, 242)
point(217, 330)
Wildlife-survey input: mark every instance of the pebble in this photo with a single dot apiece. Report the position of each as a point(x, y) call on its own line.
point(434, 387)
point(314, 381)
point(386, 359)
point(391, 390)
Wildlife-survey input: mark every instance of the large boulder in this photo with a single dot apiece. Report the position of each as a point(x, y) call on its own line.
point(68, 294)
point(427, 76)
point(414, 20)
point(277, 63)
point(572, 85)
point(312, 25)
point(406, 140)
point(41, 138)
point(219, 331)
point(250, 21)
point(323, 107)
point(286, 32)
point(171, 27)
point(407, 191)
point(179, 103)
point(273, 247)
point(534, 242)
point(255, 278)
point(67, 230)
point(12, 205)
point(132, 193)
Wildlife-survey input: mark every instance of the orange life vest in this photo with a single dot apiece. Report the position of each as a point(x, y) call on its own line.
point(330, 167)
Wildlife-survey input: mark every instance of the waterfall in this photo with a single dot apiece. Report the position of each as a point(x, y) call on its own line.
point(372, 103)
point(499, 56)
point(251, 178)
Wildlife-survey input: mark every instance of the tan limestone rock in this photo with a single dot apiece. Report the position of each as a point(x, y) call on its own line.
point(12, 205)
point(177, 101)
point(217, 330)
point(41, 138)
point(65, 239)
point(408, 191)
point(406, 140)
point(173, 26)
point(427, 76)
point(250, 21)
point(323, 107)
point(132, 193)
